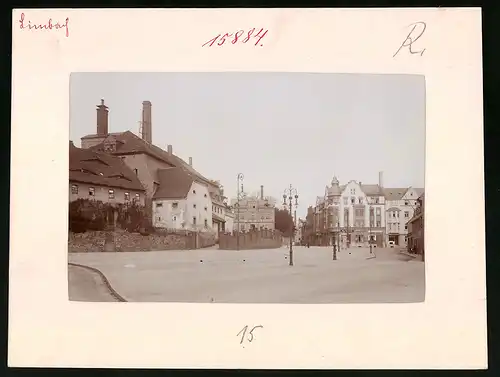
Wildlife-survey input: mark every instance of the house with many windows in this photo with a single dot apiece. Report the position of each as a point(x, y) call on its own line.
point(357, 214)
point(181, 201)
point(99, 176)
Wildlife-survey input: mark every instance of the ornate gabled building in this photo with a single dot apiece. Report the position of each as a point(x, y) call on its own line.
point(357, 214)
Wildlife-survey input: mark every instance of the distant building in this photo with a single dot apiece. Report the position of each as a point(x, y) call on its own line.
point(416, 228)
point(181, 201)
point(254, 212)
point(400, 208)
point(99, 176)
point(357, 213)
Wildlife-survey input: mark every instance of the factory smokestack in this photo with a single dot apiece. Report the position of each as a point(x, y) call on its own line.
point(146, 122)
point(262, 192)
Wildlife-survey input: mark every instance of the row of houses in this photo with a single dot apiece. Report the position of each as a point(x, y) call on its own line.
point(358, 214)
point(123, 168)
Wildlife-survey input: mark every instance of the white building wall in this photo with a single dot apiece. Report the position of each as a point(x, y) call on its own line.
point(181, 214)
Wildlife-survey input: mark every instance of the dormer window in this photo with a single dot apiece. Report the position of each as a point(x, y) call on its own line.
point(205, 195)
point(91, 191)
point(194, 191)
point(74, 189)
point(127, 196)
point(111, 194)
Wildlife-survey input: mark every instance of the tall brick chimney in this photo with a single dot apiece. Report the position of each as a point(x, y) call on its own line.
point(381, 179)
point(262, 192)
point(190, 161)
point(146, 122)
point(169, 149)
point(102, 119)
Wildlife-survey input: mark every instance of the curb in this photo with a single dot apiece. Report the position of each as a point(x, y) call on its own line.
point(112, 291)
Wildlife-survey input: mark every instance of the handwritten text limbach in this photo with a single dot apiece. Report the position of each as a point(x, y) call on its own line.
point(49, 25)
point(250, 337)
point(417, 30)
point(240, 36)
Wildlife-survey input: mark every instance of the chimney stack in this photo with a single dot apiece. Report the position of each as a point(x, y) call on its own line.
point(262, 192)
point(102, 119)
point(146, 122)
point(190, 161)
point(381, 179)
point(169, 149)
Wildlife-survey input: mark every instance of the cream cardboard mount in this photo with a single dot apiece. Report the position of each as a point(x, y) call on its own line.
point(448, 330)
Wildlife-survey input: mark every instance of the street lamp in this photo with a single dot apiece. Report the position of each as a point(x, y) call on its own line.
point(239, 191)
point(334, 242)
point(291, 193)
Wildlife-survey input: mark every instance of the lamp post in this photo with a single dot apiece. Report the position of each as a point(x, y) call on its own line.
point(291, 193)
point(334, 242)
point(239, 181)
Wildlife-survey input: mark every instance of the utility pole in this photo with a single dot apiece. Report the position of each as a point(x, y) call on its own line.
point(238, 195)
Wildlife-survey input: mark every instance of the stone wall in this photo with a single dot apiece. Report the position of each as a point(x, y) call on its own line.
point(120, 240)
point(259, 239)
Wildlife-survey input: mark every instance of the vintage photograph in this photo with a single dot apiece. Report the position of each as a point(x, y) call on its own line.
point(238, 187)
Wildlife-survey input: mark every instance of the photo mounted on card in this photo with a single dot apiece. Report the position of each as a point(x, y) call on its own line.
point(154, 197)
point(244, 183)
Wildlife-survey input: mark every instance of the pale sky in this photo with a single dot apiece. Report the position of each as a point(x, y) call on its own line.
point(275, 128)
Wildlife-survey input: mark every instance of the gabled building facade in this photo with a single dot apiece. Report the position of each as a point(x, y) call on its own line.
point(400, 208)
point(181, 202)
point(357, 214)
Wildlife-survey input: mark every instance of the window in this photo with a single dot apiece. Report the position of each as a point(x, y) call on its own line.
point(74, 189)
point(159, 218)
point(159, 205)
point(360, 199)
point(253, 206)
point(194, 191)
point(205, 195)
point(111, 194)
point(175, 205)
point(394, 214)
point(406, 203)
point(174, 218)
point(406, 226)
point(206, 223)
point(194, 205)
point(376, 200)
point(378, 224)
point(136, 171)
point(205, 208)
point(194, 220)
point(91, 191)
point(137, 197)
point(127, 197)
point(353, 200)
point(353, 191)
point(378, 211)
point(407, 214)
point(345, 201)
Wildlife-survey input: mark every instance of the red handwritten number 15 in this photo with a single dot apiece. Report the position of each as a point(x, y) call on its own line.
point(237, 37)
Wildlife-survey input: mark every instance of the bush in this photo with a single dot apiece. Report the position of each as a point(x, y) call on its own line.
point(85, 214)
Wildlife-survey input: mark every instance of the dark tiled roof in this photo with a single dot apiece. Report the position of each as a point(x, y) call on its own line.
point(398, 193)
point(129, 143)
point(174, 183)
point(100, 169)
point(372, 190)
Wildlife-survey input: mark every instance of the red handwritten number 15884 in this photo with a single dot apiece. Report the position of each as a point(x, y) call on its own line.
point(239, 36)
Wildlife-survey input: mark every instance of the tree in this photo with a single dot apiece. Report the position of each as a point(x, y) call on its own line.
point(283, 221)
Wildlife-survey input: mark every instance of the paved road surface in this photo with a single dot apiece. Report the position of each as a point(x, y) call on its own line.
point(85, 285)
point(262, 276)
